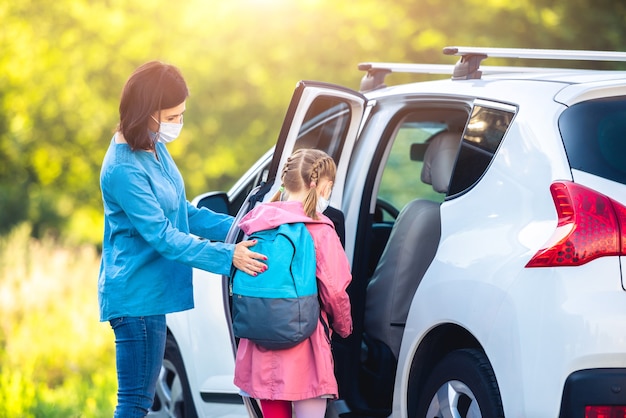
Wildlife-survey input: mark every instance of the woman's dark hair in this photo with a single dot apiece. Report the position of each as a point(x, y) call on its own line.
point(152, 87)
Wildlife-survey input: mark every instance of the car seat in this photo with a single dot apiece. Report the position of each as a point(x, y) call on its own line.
point(411, 248)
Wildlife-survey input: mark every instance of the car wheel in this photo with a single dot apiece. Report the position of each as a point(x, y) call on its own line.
point(462, 385)
point(173, 395)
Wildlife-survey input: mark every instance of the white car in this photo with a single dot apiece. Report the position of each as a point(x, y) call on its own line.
point(484, 216)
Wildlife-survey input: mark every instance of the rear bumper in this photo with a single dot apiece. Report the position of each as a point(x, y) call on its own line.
point(592, 387)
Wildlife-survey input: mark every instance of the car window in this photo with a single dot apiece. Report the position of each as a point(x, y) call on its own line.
point(400, 182)
point(321, 116)
point(594, 134)
point(325, 125)
point(483, 134)
point(238, 198)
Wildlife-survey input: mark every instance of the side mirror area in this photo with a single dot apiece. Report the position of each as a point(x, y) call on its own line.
point(216, 201)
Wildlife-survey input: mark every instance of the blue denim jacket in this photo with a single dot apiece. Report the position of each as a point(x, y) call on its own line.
point(148, 249)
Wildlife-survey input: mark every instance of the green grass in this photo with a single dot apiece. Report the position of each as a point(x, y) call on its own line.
point(56, 358)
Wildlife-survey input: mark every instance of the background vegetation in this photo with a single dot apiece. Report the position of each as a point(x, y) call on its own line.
point(62, 67)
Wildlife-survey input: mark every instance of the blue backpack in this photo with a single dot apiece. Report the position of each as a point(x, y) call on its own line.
point(279, 308)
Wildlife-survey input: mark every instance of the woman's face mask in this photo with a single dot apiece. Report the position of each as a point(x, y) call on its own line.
point(168, 131)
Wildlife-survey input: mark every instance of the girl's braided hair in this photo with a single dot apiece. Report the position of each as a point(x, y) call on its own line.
point(302, 171)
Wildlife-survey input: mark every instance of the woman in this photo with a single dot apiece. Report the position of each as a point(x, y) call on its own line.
point(148, 247)
point(301, 377)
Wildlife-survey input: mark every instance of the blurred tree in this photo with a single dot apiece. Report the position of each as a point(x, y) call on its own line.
point(64, 63)
point(551, 24)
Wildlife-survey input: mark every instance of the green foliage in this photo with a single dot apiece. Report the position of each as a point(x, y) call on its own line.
point(64, 63)
point(56, 359)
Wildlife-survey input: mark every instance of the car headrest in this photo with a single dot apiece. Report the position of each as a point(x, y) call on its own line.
point(439, 160)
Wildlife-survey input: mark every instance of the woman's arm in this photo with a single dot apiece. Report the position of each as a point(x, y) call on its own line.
point(130, 188)
point(208, 224)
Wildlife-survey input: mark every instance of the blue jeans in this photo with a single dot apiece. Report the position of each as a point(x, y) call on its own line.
point(139, 348)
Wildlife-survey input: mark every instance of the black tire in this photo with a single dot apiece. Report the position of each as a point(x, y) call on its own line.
point(462, 383)
point(173, 395)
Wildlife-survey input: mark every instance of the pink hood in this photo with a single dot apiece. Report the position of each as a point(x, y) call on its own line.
point(271, 215)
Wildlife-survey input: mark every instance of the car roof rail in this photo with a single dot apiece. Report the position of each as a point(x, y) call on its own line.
point(468, 67)
point(374, 78)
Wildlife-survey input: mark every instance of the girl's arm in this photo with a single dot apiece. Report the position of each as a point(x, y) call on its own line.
point(333, 273)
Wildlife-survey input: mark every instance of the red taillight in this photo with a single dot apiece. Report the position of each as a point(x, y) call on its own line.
point(590, 225)
point(620, 211)
point(605, 411)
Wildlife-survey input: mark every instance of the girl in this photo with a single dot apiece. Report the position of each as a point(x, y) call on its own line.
point(301, 377)
point(148, 249)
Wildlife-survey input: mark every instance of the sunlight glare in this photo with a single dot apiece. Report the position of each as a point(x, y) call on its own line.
point(275, 3)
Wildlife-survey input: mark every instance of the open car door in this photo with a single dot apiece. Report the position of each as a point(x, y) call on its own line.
point(320, 116)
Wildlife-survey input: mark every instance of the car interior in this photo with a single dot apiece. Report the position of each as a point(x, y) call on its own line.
point(405, 233)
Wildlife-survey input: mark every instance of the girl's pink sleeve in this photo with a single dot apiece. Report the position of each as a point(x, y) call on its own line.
point(333, 274)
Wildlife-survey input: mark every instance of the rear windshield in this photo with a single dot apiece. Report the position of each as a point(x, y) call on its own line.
point(594, 134)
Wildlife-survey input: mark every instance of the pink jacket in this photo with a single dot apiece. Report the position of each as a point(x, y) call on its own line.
point(306, 370)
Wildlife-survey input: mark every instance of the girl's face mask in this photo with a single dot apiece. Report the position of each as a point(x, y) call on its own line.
point(322, 204)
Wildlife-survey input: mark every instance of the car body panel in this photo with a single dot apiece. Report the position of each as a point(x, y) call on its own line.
point(510, 231)
point(577, 93)
point(209, 378)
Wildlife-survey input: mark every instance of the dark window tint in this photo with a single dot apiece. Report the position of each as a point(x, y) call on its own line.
point(238, 199)
point(483, 135)
point(594, 134)
point(325, 126)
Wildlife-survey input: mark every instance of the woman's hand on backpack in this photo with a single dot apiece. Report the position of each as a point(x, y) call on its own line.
point(248, 261)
